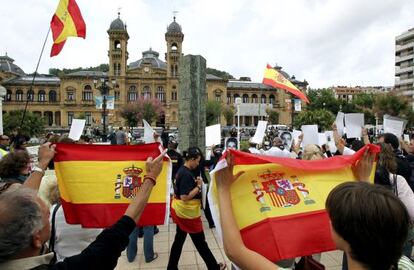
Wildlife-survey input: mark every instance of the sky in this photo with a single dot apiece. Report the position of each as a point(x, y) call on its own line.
point(326, 42)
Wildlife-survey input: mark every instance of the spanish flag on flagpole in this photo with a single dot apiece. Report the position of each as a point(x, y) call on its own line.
point(279, 203)
point(66, 22)
point(97, 183)
point(273, 78)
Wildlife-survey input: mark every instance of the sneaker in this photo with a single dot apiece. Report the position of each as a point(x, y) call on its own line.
point(153, 258)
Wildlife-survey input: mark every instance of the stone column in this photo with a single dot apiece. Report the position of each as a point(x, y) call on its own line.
point(192, 102)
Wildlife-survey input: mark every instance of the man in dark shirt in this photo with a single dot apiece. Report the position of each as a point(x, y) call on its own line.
point(176, 158)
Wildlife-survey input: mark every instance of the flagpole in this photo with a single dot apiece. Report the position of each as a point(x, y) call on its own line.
point(34, 77)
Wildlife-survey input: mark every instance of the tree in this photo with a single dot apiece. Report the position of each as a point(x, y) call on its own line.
point(213, 112)
point(222, 74)
point(272, 116)
point(394, 105)
point(320, 99)
point(228, 113)
point(322, 118)
point(144, 108)
point(33, 125)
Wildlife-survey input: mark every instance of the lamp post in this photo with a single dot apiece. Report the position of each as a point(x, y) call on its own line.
point(238, 101)
point(292, 108)
point(104, 86)
point(3, 93)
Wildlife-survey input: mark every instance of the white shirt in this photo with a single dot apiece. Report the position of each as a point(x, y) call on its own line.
point(277, 152)
point(71, 239)
point(405, 194)
point(254, 150)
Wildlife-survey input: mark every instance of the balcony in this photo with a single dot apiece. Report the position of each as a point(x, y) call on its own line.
point(404, 81)
point(70, 102)
point(399, 59)
point(88, 102)
point(399, 70)
point(404, 47)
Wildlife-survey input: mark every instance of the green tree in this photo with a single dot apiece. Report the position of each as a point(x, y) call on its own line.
point(228, 113)
point(393, 105)
point(33, 125)
point(143, 108)
point(320, 99)
point(272, 116)
point(222, 74)
point(213, 112)
point(322, 118)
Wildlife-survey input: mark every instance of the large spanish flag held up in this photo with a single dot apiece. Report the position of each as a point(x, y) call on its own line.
point(273, 78)
point(279, 203)
point(66, 22)
point(97, 183)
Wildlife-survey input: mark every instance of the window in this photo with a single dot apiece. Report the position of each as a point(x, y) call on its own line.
point(88, 118)
point(117, 69)
point(70, 95)
point(30, 95)
point(146, 92)
point(245, 98)
point(218, 97)
point(87, 94)
point(235, 96)
point(254, 98)
point(132, 93)
point(117, 95)
point(160, 95)
point(272, 99)
point(41, 96)
point(228, 98)
point(71, 115)
point(174, 47)
point(117, 45)
point(9, 95)
point(174, 96)
point(52, 96)
point(19, 95)
point(263, 99)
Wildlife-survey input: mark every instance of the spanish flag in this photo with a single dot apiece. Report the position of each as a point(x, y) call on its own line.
point(97, 183)
point(273, 78)
point(66, 22)
point(279, 203)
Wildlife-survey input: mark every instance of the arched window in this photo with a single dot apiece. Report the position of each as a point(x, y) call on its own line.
point(245, 98)
point(217, 95)
point(117, 45)
point(87, 93)
point(160, 95)
point(41, 96)
point(235, 96)
point(254, 98)
point(146, 92)
point(132, 93)
point(9, 95)
point(174, 47)
point(52, 96)
point(19, 95)
point(70, 94)
point(263, 99)
point(272, 99)
point(30, 95)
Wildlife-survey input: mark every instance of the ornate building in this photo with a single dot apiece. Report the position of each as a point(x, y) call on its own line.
point(61, 99)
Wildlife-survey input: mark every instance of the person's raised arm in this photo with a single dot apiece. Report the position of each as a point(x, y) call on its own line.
point(153, 167)
point(234, 247)
point(45, 155)
point(365, 136)
point(362, 169)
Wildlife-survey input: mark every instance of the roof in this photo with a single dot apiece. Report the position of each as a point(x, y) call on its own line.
point(213, 77)
point(117, 24)
point(86, 73)
point(149, 57)
point(7, 65)
point(174, 27)
point(40, 79)
point(247, 85)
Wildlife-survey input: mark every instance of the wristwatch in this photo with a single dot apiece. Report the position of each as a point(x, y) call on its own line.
point(38, 169)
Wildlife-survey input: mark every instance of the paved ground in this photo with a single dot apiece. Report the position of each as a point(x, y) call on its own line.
point(190, 259)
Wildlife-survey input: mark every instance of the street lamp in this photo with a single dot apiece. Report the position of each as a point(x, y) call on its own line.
point(238, 101)
point(103, 86)
point(3, 93)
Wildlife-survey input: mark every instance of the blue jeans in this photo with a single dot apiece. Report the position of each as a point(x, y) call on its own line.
point(148, 243)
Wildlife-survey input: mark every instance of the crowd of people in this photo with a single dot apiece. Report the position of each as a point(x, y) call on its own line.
point(371, 223)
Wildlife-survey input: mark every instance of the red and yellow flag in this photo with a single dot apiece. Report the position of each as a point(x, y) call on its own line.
point(66, 22)
point(273, 78)
point(97, 183)
point(279, 203)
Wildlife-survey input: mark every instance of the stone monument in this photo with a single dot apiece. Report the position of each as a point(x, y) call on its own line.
point(192, 102)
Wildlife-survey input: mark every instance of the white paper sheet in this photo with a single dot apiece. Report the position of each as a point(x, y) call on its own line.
point(395, 127)
point(322, 139)
point(340, 123)
point(354, 123)
point(76, 129)
point(296, 134)
point(260, 132)
point(213, 135)
point(407, 138)
point(148, 132)
point(204, 194)
point(310, 134)
point(330, 141)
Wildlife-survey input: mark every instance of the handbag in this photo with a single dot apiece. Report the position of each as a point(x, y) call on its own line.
point(308, 263)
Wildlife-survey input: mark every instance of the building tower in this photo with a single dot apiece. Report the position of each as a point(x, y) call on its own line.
point(118, 44)
point(404, 59)
point(174, 38)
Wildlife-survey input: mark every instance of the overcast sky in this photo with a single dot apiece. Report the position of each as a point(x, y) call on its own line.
point(326, 42)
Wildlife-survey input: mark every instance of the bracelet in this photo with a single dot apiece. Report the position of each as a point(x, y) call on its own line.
point(150, 178)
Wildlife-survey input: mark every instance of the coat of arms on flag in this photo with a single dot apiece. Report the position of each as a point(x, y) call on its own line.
point(131, 183)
